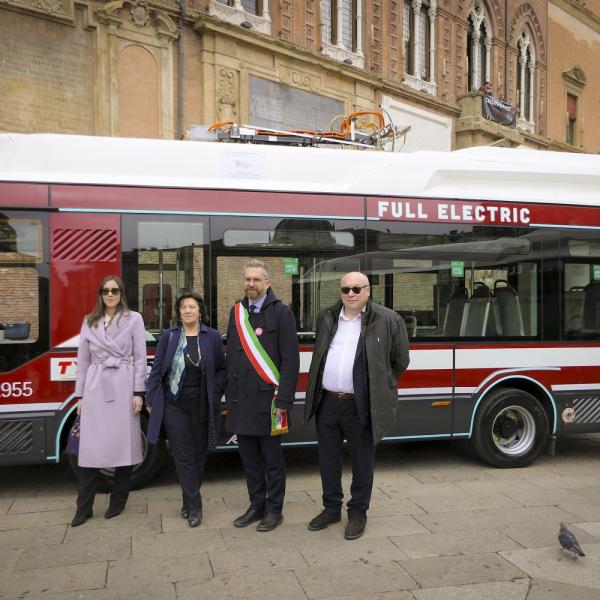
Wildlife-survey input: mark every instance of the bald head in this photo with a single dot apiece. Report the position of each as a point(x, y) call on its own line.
point(356, 286)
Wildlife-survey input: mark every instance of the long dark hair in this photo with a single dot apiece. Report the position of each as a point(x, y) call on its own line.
point(194, 296)
point(98, 313)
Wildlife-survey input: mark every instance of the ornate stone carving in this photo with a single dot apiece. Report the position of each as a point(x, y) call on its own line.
point(376, 46)
point(140, 14)
point(309, 20)
point(52, 7)
point(526, 13)
point(395, 21)
point(575, 76)
point(228, 92)
point(299, 79)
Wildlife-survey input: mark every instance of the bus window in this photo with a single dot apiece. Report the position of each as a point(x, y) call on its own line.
point(306, 259)
point(23, 288)
point(162, 257)
point(457, 284)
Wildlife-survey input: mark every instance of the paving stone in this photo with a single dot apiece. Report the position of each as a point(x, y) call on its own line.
point(5, 504)
point(8, 559)
point(53, 580)
point(287, 534)
point(176, 543)
point(496, 590)
point(445, 544)
point(163, 591)
point(284, 558)
point(452, 474)
point(461, 500)
point(457, 570)
point(25, 538)
point(584, 511)
point(553, 564)
point(567, 482)
point(591, 528)
point(74, 553)
point(163, 569)
point(552, 590)
point(324, 582)
point(459, 521)
point(365, 550)
point(418, 489)
point(539, 536)
point(125, 525)
point(393, 507)
point(539, 516)
point(43, 503)
point(250, 586)
point(395, 595)
point(385, 526)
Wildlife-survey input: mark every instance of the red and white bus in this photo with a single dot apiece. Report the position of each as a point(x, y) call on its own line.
point(491, 255)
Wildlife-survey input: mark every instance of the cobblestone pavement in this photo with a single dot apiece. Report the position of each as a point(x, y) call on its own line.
point(442, 526)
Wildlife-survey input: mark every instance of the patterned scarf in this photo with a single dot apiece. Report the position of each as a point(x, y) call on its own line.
point(178, 364)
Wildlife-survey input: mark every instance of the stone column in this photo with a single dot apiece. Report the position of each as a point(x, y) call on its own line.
point(265, 9)
point(531, 68)
point(488, 58)
point(340, 16)
point(359, 49)
point(416, 7)
point(431, 14)
point(475, 68)
point(522, 90)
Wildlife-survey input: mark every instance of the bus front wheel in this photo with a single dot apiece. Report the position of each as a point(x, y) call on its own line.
point(511, 429)
point(142, 474)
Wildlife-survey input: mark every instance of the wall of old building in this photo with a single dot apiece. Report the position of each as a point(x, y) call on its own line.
point(573, 54)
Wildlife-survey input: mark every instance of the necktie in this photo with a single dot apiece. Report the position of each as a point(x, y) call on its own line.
point(252, 308)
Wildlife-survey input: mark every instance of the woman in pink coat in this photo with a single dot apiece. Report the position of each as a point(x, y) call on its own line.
point(111, 382)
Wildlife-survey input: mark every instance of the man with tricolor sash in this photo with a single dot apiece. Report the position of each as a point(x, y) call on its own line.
point(262, 370)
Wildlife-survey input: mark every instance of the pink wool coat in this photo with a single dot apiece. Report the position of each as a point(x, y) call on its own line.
point(111, 366)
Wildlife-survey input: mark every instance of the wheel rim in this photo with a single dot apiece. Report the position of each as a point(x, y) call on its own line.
point(513, 431)
point(110, 473)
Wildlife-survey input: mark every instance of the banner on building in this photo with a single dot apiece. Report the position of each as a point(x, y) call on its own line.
point(496, 110)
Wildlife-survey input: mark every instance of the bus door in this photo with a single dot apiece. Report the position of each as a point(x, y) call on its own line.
point(306, 259)
point(408, 276)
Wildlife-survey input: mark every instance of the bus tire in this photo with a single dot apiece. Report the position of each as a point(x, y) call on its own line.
point(153, 458)
point(511, 429)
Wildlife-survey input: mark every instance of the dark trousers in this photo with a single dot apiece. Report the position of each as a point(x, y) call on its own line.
point(338, 419)
point(88, 483)
point(264, 466)
point(188, 438)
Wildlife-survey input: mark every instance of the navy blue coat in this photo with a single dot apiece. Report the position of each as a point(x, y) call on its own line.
point(248, 396)
point(214, 373)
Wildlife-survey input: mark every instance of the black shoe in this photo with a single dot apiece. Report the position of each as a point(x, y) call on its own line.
point(250, 516)
point(322, 520)
point(113, 510)
point(195, 518)
point(185, 513)
point(355, 527)
point(80, 518)
point(270, 521)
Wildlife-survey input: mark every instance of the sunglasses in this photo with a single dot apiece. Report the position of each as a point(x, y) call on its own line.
point(357, 289)
point(113, 291)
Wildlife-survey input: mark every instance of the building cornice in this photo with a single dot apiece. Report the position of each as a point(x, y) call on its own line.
point(578, 10)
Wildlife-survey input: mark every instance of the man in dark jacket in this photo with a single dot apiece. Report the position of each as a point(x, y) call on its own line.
point(249, 398)
point(361, 349)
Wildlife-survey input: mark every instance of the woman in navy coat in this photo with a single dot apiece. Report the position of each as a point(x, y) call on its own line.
point(183, 393)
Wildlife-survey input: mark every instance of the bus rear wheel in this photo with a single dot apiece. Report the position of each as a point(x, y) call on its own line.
point(142, 474)
point(511, 429)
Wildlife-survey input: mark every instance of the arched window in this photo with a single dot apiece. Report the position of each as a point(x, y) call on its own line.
point(479, 46)
point(419, 44)
point(341, 23)
point(525, 80)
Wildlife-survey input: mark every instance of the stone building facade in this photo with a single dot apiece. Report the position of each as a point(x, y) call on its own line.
point(152, 68)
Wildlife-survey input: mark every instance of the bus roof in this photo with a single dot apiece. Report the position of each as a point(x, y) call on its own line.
point(479, 173)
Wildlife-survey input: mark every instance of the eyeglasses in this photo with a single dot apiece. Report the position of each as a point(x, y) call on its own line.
point(355, 290)
point(113, 291)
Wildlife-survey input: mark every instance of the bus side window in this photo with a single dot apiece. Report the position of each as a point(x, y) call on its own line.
point(23, 288)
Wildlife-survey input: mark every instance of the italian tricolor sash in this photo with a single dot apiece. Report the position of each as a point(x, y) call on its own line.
point(254, 350)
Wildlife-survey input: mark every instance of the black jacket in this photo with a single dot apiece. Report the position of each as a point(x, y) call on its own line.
point(381, 357)
point(214, 370)
point(248, 398)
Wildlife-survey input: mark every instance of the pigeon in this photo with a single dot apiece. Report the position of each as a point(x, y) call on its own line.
point(569, 542)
